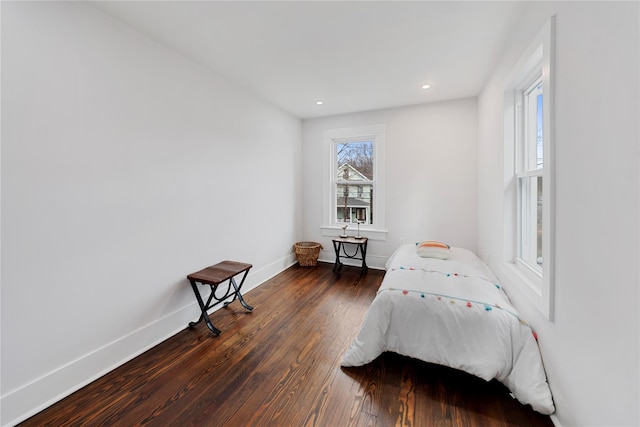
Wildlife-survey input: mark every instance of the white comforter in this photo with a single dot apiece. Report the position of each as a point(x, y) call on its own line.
point(453, 313)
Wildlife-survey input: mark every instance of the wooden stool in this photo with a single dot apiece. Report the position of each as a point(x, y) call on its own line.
point(213, 276)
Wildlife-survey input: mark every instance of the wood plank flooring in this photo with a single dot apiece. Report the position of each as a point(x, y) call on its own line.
point(280, 366)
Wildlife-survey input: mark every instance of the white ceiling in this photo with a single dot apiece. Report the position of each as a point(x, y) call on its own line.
point(353, 55)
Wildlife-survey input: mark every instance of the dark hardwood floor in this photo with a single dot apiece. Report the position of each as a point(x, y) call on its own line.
point(280, 366)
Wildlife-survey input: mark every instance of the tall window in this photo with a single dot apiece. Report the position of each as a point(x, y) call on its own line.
point(354, 184)
point(529, 159)
point(530, 171)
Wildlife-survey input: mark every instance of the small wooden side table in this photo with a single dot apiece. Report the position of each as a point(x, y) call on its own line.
point(341, 252)
point(213, 276)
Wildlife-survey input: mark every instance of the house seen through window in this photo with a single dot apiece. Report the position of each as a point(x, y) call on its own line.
point(354, 182)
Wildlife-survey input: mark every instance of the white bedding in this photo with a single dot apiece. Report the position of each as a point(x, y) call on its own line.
point(453, 313)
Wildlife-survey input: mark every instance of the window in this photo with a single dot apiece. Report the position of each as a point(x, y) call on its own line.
point(529, 191)
point(354, 188)
point(353, 184)
point(529, 171)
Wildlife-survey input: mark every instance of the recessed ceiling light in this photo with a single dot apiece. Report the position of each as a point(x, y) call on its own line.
point(319, 102)
point(426, 86)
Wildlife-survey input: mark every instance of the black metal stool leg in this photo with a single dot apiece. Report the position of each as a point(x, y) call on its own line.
point(363, 251)
point(336, 248)
point(238, 294)
point(203, 308)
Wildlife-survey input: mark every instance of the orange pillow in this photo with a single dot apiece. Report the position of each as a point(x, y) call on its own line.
point(433, 249)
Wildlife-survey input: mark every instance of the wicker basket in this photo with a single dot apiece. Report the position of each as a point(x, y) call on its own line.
point(307, 253)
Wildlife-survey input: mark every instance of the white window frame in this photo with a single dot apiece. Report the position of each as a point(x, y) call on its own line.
point(332, 137)
point(531, 280)
point(525, 148)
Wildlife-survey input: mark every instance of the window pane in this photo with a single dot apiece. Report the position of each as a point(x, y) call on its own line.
point(533, 144)
point(354, 203)
point(355, 160)
point(354, 187)
point(539, 140)
point(539, 224)
point(531, 220)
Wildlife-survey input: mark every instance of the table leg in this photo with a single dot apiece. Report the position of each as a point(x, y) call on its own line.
point(336, 248)
point(363, 252)
point(204, 316)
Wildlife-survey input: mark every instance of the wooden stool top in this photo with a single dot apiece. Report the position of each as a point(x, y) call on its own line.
point(219, 273)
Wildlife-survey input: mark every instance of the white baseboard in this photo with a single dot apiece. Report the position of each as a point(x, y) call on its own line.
point(26, 401)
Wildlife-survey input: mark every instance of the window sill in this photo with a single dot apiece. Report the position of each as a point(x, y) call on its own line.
point(371, 233)
point(529, 289)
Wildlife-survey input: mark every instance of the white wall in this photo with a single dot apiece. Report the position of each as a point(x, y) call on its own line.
point(431, 175)
point(591, 349)
point(124, 168)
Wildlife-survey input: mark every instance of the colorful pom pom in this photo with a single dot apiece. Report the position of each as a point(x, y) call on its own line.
point(468, 304)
